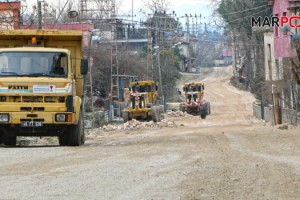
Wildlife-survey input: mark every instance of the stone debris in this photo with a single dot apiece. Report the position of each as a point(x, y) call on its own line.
point(178, 113)
point(135, 125)
point(287, 126)
point(282, 126)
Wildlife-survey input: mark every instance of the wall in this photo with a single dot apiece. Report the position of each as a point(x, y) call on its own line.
point(273, 65)
point(282, 42)
point(9, 11)
point(288, 116)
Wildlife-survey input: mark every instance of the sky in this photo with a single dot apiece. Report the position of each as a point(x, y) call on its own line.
point(181, 7)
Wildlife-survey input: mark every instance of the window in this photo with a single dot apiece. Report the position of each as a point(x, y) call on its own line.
point(3, 62)
point(296, 21)
point(34, 64)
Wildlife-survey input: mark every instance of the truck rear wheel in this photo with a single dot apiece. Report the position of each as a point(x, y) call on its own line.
point(75, 133)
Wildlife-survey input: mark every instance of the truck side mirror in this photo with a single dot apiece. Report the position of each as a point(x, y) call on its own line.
point(84, 67)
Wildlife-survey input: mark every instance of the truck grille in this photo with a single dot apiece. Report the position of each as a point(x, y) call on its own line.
point(35, 120)
point(69, 104)
point(33, 99)
point(32, 109)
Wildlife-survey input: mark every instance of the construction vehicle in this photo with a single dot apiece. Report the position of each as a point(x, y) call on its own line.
point(195, 103)
point(143, 102)
point(41, 85)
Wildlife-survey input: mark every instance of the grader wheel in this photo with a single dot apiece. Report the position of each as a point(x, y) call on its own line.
point(155, 113)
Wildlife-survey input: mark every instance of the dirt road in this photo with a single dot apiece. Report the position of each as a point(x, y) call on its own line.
point(229, 155)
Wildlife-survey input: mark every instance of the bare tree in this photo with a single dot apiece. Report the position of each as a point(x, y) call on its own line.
point(62, 10)
point(155, 6)
point(133, 65)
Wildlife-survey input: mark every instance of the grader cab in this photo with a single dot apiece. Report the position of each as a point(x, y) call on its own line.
point(195, 103)
point(143, 102)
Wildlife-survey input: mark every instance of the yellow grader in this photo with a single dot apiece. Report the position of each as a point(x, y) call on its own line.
point(143, 102)
point(194, 102)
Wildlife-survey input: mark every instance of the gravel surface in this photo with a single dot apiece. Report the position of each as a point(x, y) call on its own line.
point(229, 155)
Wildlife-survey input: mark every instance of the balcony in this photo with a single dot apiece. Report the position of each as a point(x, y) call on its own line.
point(293, 5)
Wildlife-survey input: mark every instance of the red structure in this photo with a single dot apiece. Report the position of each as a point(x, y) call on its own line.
point(85, 27)
point(282, 41)
point(10, 12)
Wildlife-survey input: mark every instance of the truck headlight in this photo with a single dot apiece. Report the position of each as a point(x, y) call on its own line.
point(60, 117)
point(4, 117)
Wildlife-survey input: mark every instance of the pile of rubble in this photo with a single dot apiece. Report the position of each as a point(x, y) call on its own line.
point(286, 126)
point(178, 113)
point(135, 125)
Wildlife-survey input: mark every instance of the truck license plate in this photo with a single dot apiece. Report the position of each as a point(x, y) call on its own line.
point(31, 124)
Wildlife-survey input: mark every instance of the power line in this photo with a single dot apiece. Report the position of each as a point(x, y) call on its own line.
point(248, 15)
point(60, 13)
point(230, 13)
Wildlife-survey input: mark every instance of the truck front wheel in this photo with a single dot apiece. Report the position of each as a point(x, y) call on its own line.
point(62, 138)
point(203, 112)
point(9, 140)
point(75, 133)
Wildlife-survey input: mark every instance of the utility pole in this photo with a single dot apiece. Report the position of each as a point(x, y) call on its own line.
point(83, 9)
point(276, 103)
point(188, 41)
point(39, 5)
point(149, 48)
point(193, 27)
point(115, 80)
point(159, 71)
point(132, 12)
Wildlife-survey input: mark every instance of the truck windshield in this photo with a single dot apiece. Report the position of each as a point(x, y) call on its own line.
point(33, 64)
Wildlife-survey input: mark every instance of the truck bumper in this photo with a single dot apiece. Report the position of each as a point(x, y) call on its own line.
point(36, 123)
point(15, 118)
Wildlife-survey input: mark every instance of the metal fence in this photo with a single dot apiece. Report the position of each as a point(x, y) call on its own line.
point(267, 113)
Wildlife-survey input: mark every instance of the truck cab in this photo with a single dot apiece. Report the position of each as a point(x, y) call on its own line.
point(41, 85)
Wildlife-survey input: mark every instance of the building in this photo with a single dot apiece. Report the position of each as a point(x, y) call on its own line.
point(126, 37)
point(227, 56)
point(9, 14)
point(281, 59)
